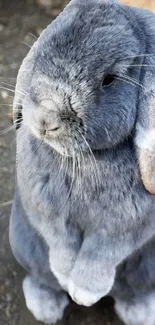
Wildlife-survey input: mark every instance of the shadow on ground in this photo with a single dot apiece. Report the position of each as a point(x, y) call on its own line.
point(17, 20)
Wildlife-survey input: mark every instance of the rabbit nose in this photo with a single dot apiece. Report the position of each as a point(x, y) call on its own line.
point(51, 128)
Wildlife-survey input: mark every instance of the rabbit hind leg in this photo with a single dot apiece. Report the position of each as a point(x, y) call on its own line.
point(134, 287)
point(138, 311)
point(45, 304)
point(43, 295)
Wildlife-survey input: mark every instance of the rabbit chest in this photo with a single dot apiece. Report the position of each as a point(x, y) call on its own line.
point(102, 191)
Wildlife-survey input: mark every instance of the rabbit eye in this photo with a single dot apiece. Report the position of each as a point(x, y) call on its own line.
point(108, 80)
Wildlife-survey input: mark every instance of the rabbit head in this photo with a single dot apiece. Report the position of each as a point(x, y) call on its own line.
point(88, 82)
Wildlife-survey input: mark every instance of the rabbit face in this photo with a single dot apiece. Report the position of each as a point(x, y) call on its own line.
point(81, 94)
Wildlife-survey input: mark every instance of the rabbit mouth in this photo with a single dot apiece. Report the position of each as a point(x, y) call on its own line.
point(67, 147)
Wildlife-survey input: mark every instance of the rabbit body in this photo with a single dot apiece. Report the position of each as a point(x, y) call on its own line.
point(79, 193)
point(90, 229)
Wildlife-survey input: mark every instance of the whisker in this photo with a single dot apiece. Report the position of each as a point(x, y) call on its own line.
point(60, 168)
point(7, 130)
point(96, 171)
point(6, 105)
point(13, 142)
point(17, 103)
point(5, 204)
point(64, 161)
point(32, 35)
point(7, 84)
point(134, 83)
point(139, 55)
point(13, 91)
point(17, 109)
point(93, 173)
point(138, 65)
point(126, 80)
point(8, 78)
point(7, 114)
point(18, 120)
point(37, 149)
point(72, 182)
point(80, 162)
point(26, 44)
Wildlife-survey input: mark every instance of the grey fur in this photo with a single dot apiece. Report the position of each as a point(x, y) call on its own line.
point(79, 194)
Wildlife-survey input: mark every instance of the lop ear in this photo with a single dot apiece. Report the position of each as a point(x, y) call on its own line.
point(23, 82)
point(145, 127)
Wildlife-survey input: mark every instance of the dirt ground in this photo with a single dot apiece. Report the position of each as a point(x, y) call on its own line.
point(18, 21)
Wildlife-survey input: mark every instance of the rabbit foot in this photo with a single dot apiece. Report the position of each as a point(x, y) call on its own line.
point(140, 311)
point(88, 286)
point(46, 305)
point(83, 297)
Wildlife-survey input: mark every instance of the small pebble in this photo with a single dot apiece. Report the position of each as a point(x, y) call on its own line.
point(4, 94)
point(39, 31)
point(5, 154)
point(2, 68)
point(55, 12)
point(5, 169)
point(8, 297)
point(46, 3)
point(8, 282)
point(14, 65)
point(14, 273)
point(10, 116)
point(1, 27)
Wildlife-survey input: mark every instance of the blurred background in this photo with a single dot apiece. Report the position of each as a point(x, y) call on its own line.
point(21, 22)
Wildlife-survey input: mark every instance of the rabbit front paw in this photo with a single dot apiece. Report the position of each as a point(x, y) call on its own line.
point(86, 289)
point(82, 296)
point(61, 265)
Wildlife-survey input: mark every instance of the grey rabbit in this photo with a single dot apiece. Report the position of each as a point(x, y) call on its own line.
point(83, 217)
